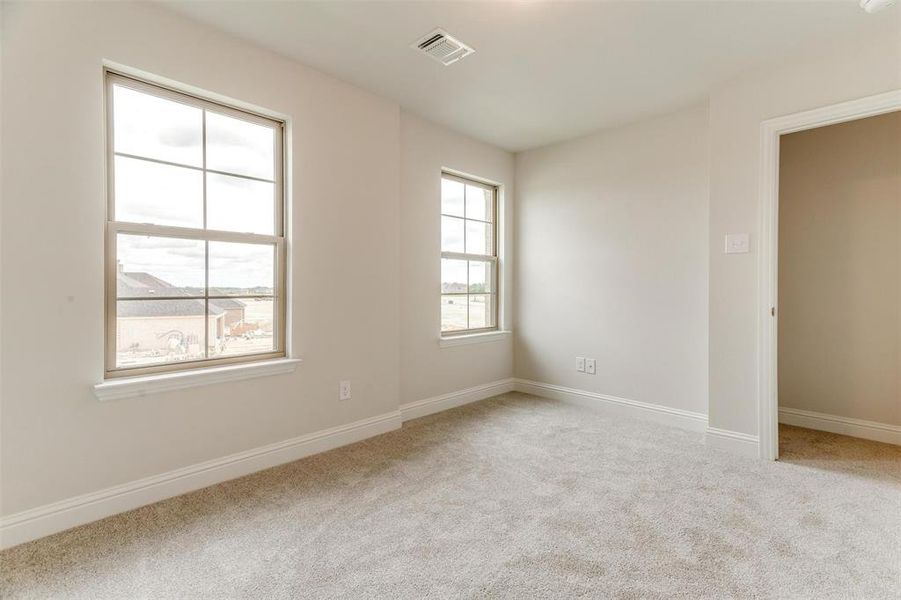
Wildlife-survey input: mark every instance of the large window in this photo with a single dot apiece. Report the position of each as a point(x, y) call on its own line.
point(195, 244)
point(468, 256)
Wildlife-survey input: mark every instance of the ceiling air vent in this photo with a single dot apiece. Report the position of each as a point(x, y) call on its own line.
point(442, 47)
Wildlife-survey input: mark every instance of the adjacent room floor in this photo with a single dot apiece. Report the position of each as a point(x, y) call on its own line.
point(516, 496)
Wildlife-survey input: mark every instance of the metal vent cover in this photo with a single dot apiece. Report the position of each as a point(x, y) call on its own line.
point(442, 46)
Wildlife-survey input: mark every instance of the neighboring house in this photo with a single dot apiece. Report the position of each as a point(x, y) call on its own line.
point(233, 309)
point(170, 326)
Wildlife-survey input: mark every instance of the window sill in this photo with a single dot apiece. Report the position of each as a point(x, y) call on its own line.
point(475, 338)
point(144, 385)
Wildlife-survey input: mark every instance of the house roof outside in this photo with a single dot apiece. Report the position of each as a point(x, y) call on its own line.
point(227, 303)
point(137, 284)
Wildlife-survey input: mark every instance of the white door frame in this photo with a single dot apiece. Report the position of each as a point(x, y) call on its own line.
point(771, 130)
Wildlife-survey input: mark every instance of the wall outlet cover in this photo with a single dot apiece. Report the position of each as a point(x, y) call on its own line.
point(591, 366)
point(344, 390)
point(580, 364)
point(738, 243)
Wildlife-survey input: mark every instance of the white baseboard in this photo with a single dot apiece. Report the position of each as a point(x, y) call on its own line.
point(58, 516)
point(656, 412)
point(52, 518)
point(421, 408)
point(740, 443)
point(868, 430)
point(733, 441)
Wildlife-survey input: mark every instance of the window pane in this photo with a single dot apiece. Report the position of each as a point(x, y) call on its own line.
point(242, 269)
point(153, 127)
point(478, 203)
point(241, 326)
point(453, 313)
point(159, 266)
point(239, 147)
point(148, 192)
point(478, 240)
point(480, 311)
point(451, 197)
point(453, 276)
point(480, 277)
point(150, 332)
point(237, 204)
point(451, 234)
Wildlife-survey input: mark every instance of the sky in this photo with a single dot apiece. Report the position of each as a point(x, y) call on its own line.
point(181, 261)
point(460, 205)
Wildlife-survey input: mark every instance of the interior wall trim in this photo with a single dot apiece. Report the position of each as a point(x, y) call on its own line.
point(58, 516)
point(734, 441)
point(859, 428)
point(428, 406)
point(685, 419)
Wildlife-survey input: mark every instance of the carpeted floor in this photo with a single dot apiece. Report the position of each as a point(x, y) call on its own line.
point(514, 497)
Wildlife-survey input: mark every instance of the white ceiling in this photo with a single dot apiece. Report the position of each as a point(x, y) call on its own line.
point(542, 71)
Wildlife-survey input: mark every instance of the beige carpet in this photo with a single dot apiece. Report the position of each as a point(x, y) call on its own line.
point(515, 497)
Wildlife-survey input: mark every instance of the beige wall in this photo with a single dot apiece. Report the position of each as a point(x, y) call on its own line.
point(611, 234)
point(843, 70)
point(426, 369)
point(839, 267)
point(57, 440)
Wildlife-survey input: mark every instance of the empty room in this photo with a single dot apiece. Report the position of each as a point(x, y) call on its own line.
point(440, 299)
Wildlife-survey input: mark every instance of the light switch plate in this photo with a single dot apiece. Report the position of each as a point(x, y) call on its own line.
point(738, 243)
point(580, 364)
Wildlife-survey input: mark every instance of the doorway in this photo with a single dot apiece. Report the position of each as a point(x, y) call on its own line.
point(773, 132)
point(839, 291)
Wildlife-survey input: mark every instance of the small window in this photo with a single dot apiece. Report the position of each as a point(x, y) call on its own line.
point(469, 288)
point(195, 246)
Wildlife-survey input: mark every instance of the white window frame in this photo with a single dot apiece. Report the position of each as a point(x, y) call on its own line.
point(113, 228)
point(492, 258)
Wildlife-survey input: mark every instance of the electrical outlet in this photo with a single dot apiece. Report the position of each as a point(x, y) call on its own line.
point(344, 390)
point(591, 366)
point(580, 364)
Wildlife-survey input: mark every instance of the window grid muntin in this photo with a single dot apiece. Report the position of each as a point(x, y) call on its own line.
point(170, 163)
point(490, 258)
point(277, 240)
